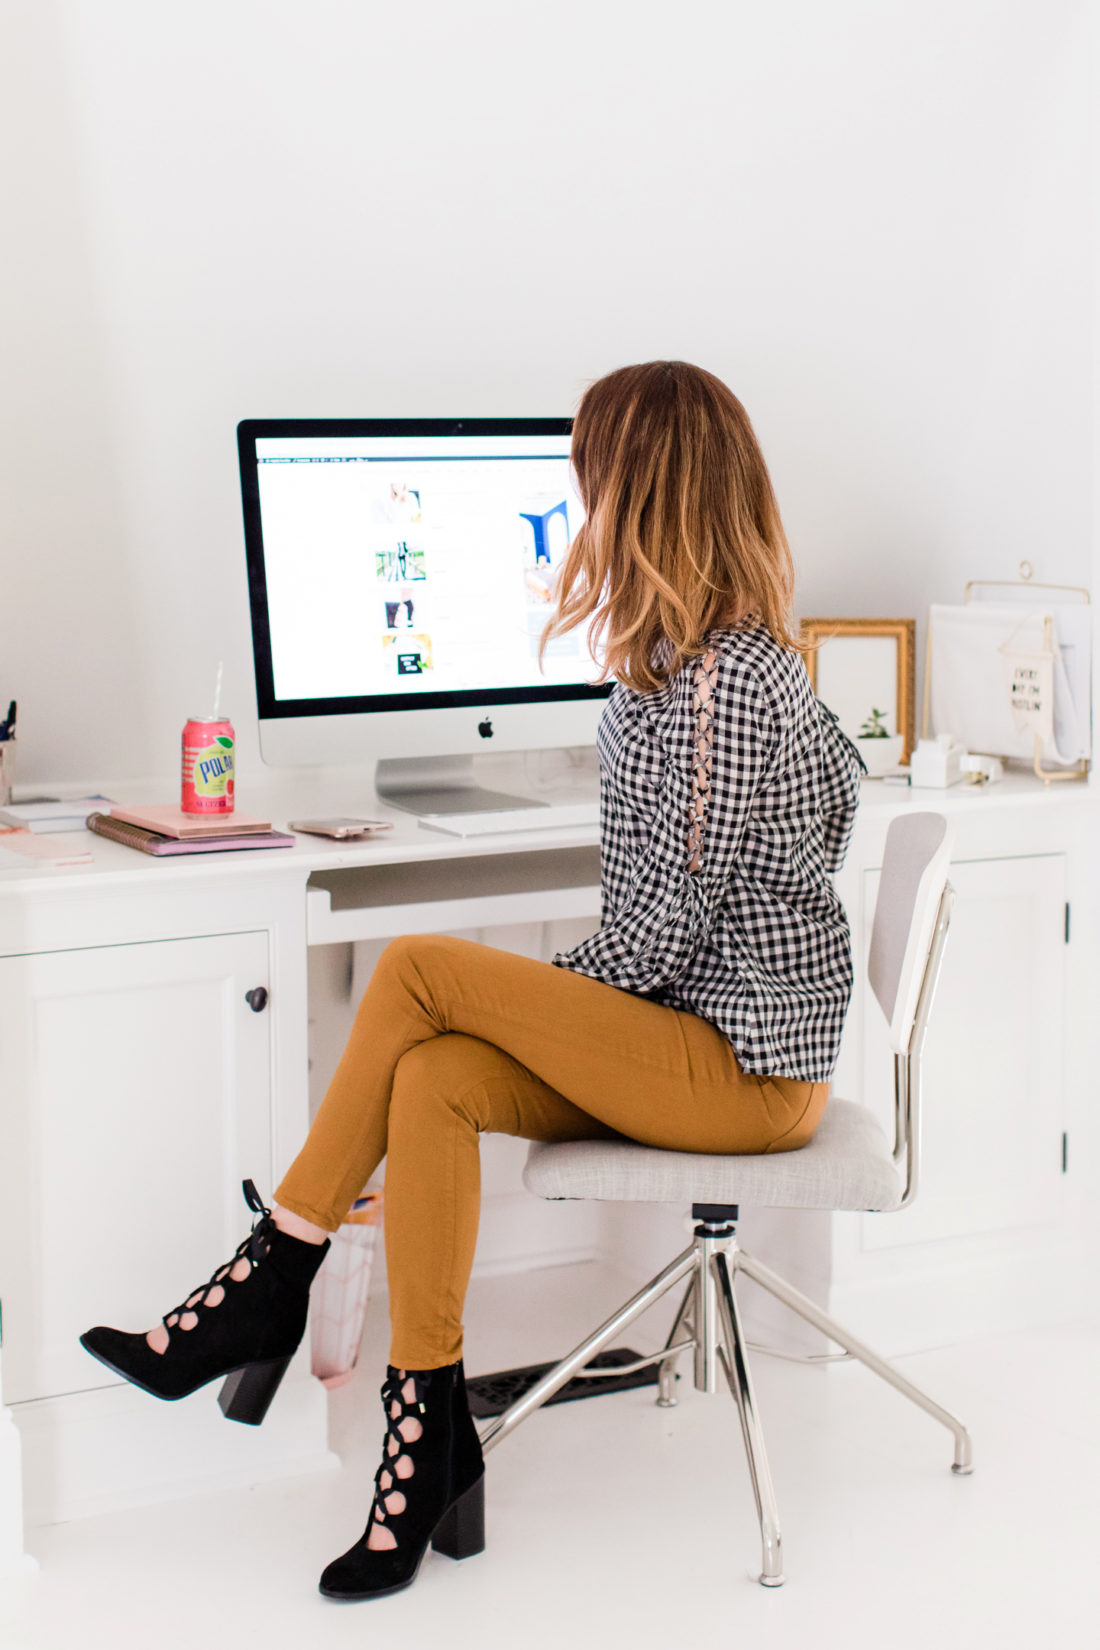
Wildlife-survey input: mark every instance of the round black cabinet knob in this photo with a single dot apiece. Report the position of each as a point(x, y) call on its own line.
point(256, 999)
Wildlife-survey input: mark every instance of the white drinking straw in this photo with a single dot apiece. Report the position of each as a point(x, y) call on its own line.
point(217, 692)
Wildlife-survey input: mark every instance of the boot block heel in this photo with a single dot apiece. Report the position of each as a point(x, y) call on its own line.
point(246, 1394)
point(460, 1533)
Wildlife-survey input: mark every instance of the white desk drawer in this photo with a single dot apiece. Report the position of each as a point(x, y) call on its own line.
point(440, 896)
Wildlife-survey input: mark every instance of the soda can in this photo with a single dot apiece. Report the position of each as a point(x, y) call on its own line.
point(208, 749)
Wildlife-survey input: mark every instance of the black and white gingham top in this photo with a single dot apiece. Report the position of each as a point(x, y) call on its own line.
point(725, 799)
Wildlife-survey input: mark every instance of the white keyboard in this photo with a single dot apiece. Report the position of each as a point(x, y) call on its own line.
point(547, 817)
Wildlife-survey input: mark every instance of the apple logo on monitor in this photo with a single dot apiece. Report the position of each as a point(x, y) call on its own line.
point(485, 728)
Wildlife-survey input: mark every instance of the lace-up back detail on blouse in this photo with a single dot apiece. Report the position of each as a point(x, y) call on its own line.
point(702, 706)
point(726, 798)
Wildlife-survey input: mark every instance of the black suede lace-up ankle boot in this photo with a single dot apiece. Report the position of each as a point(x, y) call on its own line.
point(428, 1489)
point(246, 1323)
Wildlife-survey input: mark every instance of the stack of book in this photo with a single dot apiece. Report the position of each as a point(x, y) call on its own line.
point(47, 816)
point(165, 830)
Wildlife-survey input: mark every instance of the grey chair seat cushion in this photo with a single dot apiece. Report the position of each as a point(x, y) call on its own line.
point(846, 1165)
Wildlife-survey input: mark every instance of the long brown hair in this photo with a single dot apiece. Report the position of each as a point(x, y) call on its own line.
point(682, 531)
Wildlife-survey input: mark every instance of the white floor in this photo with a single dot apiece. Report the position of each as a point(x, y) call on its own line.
point(614, 1522)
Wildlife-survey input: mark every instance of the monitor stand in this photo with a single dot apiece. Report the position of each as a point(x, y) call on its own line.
point(440, 785)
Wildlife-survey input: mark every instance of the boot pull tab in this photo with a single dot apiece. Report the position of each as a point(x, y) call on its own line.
point(253, 1199)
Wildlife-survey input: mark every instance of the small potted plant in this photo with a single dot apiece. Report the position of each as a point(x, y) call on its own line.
point(880, 749)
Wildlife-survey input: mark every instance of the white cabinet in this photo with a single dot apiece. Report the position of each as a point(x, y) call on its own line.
point(994, 1093)
point(134, 1098)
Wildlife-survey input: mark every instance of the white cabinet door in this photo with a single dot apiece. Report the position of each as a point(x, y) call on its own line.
point(134, 1098)
point(993, 1087)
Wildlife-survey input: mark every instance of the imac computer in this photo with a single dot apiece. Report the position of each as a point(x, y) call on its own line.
point(401, 572)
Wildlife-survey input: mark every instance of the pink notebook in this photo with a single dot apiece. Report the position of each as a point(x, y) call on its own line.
point(169, 821)
point(151, 842)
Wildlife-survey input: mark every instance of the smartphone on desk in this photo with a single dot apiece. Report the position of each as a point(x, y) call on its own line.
point(341, 828)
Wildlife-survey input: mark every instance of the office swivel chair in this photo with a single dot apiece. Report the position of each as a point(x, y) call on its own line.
point(848, 1164)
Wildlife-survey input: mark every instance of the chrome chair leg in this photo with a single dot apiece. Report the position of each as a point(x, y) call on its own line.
point(732, 1357)
point(706, 1322)
point(564, 1371)
point(782, 1290)
point(666, 1375)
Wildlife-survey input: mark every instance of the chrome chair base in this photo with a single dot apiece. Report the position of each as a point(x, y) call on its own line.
point(708, 1325)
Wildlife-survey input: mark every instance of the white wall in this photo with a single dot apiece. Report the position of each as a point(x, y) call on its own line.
point(870, 217)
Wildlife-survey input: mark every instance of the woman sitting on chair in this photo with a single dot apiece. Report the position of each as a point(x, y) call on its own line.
point(704, 1016)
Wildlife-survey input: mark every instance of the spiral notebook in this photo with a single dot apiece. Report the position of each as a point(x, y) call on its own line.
point(152, 842)
point(165, 820)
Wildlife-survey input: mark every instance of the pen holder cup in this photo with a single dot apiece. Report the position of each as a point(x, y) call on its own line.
point(338, 1299)
point(7, 770)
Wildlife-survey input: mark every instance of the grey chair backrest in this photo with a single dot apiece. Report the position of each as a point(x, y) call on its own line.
point(911, 887)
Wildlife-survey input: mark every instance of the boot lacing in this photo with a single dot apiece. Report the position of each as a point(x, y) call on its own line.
point(398, 1408)
point(254, 1248)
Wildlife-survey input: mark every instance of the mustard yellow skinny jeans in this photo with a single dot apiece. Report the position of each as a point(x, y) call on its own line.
point(453, 1039)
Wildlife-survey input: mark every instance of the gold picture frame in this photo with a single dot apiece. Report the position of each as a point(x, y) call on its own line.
point(902, 632)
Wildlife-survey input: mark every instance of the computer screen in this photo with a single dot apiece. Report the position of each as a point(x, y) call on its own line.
point(409, 563)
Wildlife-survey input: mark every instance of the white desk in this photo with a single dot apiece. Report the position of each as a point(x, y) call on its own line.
point(138, 1089)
